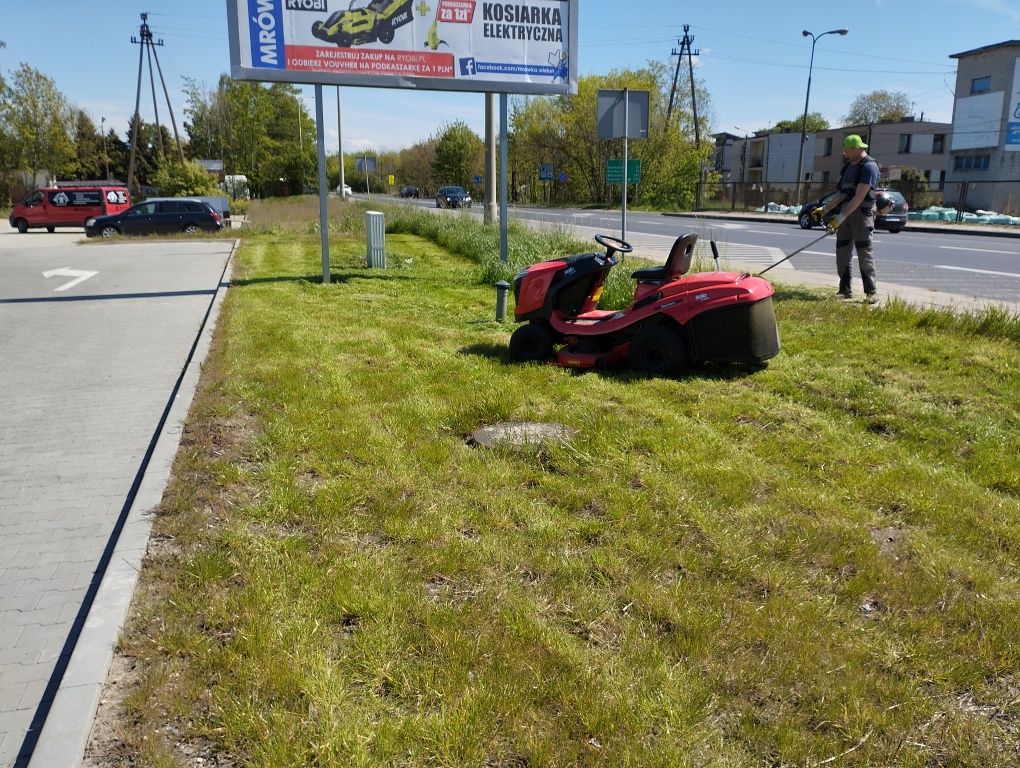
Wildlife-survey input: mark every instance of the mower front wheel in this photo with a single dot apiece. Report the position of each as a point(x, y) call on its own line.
point(531, 343)
point(660, 351)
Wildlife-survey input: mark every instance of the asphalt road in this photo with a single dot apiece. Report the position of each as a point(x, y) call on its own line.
point(981, 266)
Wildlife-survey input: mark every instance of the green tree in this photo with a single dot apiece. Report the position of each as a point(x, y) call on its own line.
point(263, 132)
point(414, 166)
point(815, 123)
point(459, 153)
point(537, 138)
point(88, 148)
point(147, 155)
point(6, 142)
point(175, 179)
point(876, 106)
point(39, 119)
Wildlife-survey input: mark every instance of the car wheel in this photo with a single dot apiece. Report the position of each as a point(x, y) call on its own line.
point(109, 231)
point(806, 220)
point(660, 351)
point(192, 229)
point(531, 343)
point(21, 225)
point(385, 33)
point(51, 230)
point(896, 230)
point(438, 204)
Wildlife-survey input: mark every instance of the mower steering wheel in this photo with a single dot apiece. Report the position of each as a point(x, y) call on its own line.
point(613, 244)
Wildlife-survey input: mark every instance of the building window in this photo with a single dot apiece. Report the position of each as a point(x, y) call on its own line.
point(972, 162)
point(828, 147)
point(904, 143)
point(981, 84)
point(938, 144)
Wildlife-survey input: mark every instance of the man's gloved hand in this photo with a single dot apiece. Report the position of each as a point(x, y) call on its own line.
point(816, 214)
point(834, 223)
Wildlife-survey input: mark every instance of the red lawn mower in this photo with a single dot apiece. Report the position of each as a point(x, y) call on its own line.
point(673, 322)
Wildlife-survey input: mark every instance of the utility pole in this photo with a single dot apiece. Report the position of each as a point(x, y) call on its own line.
point(685, 48)
point(106, 157)
point(148, 46)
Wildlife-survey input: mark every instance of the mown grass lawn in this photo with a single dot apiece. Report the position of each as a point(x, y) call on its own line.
point(815, 564)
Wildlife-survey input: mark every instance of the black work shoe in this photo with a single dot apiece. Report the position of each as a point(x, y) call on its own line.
point(871, 298)
point(845, 295)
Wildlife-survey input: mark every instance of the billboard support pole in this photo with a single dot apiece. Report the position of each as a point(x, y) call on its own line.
point(490, 159)
point(340, 143)
point(503, 160)
point(320, 136)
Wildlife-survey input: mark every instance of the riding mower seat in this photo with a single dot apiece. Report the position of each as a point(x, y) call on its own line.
point(677, 263)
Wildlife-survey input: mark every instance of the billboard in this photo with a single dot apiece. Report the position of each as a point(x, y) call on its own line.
point(1013, 118)
point(529, 46)
point(977, 121)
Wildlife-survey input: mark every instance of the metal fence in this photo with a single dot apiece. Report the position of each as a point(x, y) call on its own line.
point(1000, 196)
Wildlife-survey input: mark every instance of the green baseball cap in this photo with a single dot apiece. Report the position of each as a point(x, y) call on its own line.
point(853, 141)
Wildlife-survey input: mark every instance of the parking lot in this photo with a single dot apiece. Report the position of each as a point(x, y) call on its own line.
point(96, 339)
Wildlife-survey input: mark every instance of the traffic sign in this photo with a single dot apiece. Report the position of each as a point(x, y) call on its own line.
point(614, 171)
point(545, 172)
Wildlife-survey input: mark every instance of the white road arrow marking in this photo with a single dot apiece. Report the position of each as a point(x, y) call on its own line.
point(79, 275)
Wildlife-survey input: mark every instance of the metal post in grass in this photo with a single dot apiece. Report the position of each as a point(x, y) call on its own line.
point(320, 133)
point(502, 288)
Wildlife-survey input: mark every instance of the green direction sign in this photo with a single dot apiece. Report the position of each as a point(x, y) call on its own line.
point(614, 171)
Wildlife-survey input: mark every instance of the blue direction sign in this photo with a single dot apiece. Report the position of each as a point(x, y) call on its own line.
point(545, 172)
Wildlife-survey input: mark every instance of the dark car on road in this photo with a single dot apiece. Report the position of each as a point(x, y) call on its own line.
point(158, 217)
point(892, 220)
point(410, 191)
point(452, 197)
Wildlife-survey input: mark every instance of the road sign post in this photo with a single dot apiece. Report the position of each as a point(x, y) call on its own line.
point(623, 114)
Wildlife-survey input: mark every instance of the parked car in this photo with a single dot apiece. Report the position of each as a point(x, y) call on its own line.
point(452, 197)
point(68, 204)
point(345, 190)
point(892, 220)
point(410, 191)
point(158, 217)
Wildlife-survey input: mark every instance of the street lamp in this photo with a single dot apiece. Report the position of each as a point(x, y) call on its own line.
point(106, 157)
point(807, 97)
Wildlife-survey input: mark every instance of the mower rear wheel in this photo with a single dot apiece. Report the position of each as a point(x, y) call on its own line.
point(531, 343)
point(660, 351)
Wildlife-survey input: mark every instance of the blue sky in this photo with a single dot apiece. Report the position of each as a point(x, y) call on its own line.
point(753, 58)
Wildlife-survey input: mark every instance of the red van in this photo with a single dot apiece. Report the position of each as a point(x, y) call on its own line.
point(68, 204)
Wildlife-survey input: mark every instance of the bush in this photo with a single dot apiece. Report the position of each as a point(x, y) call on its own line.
point(183, 180)
point(239, 207)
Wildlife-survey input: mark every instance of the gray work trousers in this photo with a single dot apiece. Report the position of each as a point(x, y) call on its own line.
point(853, 233)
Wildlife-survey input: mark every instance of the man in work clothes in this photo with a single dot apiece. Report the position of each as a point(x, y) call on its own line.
point(855, 219)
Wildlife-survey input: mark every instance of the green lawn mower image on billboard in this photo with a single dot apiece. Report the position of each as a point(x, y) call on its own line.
point(364, 22)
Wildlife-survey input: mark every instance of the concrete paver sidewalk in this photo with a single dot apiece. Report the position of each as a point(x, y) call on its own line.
point(89, 375)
